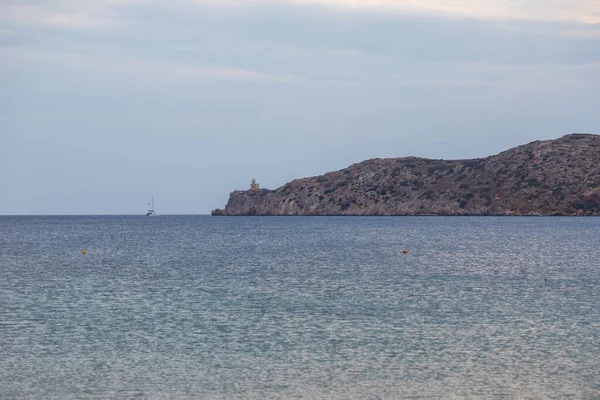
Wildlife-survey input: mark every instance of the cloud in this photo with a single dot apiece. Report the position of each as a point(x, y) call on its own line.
point(106, 14)
point(133, 71)
point(592, 19)
point(583, 33)
point(66, 14)
point(203, 74)
point(285, 47)
point(583, 11)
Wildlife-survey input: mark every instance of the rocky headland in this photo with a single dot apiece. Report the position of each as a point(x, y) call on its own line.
point(551, 177)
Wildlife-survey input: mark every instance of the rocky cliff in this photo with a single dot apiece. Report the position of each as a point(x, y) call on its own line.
point(553, 177)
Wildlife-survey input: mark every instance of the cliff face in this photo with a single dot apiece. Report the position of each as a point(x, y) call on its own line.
point(554, 177)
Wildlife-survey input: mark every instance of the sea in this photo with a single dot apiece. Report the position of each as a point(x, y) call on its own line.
point(200, 307)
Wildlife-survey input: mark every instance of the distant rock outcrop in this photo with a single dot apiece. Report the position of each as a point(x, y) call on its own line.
point(552, 177)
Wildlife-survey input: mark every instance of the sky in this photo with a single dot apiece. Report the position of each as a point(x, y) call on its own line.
point(103, 102)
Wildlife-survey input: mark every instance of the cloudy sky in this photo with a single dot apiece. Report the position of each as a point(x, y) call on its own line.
point(104, 101)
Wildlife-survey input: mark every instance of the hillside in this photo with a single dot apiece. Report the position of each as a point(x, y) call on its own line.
point(552, 177)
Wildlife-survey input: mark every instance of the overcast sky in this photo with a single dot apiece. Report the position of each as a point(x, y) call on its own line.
point(103, 102)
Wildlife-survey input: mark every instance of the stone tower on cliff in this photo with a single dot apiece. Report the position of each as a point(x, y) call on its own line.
point(254, 185)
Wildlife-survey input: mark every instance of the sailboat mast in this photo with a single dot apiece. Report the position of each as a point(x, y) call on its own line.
point(152, 195)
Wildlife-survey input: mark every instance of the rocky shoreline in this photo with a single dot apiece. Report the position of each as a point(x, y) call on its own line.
point(551, 177)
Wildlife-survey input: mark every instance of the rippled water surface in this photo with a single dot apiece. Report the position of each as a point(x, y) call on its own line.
point(201, 307)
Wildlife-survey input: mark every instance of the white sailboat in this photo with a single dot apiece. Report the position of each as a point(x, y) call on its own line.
point(151, 212)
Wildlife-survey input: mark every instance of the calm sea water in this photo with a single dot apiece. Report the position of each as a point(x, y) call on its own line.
point(201, 307)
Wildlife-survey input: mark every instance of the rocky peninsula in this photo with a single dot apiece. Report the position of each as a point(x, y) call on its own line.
point(551, 177)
